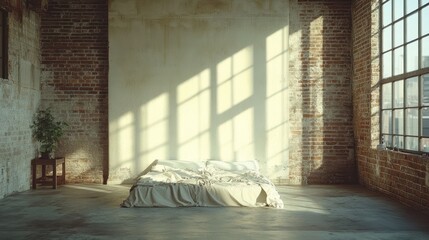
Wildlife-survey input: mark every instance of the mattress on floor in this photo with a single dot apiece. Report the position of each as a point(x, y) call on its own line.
point(202, 185)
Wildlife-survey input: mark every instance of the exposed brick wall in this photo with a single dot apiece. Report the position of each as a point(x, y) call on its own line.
point(322, 145)
point(19, 99)
point(402, 176)
point(74, 82)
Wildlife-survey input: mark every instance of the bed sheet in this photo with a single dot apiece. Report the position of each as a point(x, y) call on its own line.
point(171, 187)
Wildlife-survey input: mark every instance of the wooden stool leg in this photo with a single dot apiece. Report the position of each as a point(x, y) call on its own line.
point(64, 172)
point(54, 173)
point(33, 168)
point(43, 172)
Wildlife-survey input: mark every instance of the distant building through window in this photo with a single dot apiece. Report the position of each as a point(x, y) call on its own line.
point(404, 58)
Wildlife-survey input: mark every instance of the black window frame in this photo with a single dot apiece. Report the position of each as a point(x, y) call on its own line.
point(422, 74)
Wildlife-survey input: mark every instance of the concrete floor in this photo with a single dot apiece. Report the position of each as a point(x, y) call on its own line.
point(311, 212)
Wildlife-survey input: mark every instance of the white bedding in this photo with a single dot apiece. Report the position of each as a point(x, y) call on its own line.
point(166, 186)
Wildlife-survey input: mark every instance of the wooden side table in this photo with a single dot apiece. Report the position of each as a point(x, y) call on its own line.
point(45, 179)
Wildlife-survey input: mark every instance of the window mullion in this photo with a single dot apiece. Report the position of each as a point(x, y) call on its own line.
point(419, 104)
point(404, 113)
point(380, 74)
point(419, 38)
point(404, 39)
point(392, 116)
point(420, 79)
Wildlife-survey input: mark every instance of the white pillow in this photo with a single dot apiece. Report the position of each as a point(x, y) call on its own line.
point(250, 165)
point(162, 165)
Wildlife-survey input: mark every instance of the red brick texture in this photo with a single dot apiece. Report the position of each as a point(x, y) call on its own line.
point(321, 103)
point(74, 43)
point(399, 175)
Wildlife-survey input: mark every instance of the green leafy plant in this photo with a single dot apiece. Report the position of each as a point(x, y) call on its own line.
point(47, 131)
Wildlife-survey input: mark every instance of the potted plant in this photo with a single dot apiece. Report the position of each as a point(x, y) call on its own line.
point(47, 131)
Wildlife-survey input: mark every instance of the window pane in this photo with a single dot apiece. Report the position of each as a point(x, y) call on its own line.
point(412, 123)
point(411, 5)
point(425, 122)
point(423, 21)
point(398, 123)
point(412, 29)
point(398, 60)
point(398, 38)
point(425, 90)
point(388, 140)
point(425, 144)
point(398, 9)
point(387, 38)
point(387, 13)
point(387, 95)
point(398, 94)
point(425, 52)
point(412, 143)
point(412, 92)
point(387, 64)
point(398, 141)
point(386, 122)
point(412, 56)
point(405, 50)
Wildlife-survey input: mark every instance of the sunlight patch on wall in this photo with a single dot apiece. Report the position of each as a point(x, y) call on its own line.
point(235, 79)
point(374, 69)
point(316, 76)
point(197, 83)
point(236, 137)
point(193, 117)
point(122, 136)
point(154, 128)
point(277, 116)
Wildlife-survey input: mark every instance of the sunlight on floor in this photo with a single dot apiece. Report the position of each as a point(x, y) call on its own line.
point(87, 188)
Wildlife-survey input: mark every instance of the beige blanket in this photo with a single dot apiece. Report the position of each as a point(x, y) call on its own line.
point(206, 187)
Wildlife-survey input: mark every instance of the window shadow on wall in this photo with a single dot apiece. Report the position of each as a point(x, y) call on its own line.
point(198, 88)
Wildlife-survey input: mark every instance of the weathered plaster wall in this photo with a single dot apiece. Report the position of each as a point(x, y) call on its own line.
point(204, 80)
point(19, 99)
point(198, 80)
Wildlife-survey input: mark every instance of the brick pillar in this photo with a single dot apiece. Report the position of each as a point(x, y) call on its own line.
point(74, 82)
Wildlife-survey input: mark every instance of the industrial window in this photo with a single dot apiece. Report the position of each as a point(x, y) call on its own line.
point(405, 74)
point(3, 44)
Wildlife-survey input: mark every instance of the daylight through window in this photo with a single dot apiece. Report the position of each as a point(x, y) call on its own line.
point(405, 74)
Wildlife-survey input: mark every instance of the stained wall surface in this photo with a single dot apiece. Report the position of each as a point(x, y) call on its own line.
point(232, 80)
point(198, 80)
point(19, 99)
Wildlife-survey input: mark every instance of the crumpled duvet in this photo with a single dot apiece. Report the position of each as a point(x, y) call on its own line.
point(205, 187)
